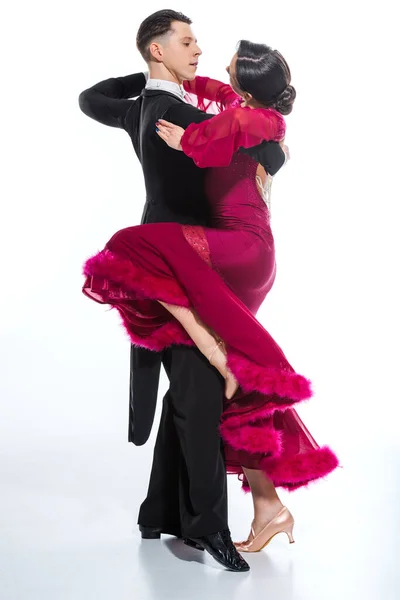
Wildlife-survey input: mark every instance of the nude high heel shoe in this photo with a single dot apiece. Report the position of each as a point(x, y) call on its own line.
point(282, 523)
point(231, 384)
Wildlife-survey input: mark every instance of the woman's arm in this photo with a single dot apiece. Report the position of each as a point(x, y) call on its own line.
point(108, 101)
point(214, 142)
point(212, 90)
point(180, 116)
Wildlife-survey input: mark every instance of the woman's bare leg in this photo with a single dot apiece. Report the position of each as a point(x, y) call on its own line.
point(265, 499)
point(206, 341)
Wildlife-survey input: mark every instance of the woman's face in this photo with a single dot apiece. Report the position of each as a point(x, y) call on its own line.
point(231, 70)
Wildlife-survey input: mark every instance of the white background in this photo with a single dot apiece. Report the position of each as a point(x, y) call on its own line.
point(71, 485)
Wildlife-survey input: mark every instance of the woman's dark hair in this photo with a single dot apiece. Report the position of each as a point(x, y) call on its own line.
point(265, 74)
point(157, 24)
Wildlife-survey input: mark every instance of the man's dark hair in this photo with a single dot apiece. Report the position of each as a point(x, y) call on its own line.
point(157, 24)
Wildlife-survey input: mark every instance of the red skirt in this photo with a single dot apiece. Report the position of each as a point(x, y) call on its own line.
point(144, 264)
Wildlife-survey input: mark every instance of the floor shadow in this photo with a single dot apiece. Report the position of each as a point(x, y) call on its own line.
point(173, 570)
point(183, 552)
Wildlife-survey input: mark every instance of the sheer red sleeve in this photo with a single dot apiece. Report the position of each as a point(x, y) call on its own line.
point(211, 93)
point(212, 143)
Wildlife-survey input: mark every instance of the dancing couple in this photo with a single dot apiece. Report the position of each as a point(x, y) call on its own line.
point(189, 281)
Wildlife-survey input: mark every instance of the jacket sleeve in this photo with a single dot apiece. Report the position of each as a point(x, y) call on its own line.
point(109, 101)
point(269, 154)
point(183, 114)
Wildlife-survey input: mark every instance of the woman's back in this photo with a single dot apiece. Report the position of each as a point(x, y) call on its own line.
point(240, 239)
point(235, 198)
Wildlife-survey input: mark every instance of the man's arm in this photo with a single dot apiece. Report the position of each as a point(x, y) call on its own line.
point(107, 101)
point(269, 154)
point(183, 114)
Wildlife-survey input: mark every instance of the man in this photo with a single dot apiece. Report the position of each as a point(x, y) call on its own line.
point(187, 494)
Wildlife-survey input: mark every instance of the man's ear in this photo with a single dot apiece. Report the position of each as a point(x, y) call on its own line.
point(156, 51)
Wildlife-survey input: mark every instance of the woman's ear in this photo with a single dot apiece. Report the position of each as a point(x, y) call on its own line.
point(248, 97)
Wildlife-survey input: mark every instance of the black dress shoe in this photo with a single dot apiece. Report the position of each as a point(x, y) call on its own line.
point(150, 533)
point(221, 547)
point(154, 533)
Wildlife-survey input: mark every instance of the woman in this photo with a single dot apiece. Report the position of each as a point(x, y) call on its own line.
point(184, 285)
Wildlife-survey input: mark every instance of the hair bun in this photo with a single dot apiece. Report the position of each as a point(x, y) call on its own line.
point(284, 102)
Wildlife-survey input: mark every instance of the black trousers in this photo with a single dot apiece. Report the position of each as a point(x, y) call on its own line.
point(187, 493)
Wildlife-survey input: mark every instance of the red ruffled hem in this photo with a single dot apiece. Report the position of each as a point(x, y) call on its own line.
point(292, 472)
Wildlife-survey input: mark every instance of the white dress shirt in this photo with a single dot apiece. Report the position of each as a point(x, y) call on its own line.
point(166, 86)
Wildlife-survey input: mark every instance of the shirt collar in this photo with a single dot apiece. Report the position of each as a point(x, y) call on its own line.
point(166, 86)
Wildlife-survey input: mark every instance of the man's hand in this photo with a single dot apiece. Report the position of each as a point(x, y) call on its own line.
point(285, 149)
point(170, 133)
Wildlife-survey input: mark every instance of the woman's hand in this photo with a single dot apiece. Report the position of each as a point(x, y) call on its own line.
point(170, 133)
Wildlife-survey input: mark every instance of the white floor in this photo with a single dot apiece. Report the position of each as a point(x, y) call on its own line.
point(67, 517)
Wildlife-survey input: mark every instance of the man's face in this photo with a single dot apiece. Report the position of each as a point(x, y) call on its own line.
point(180, 52)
